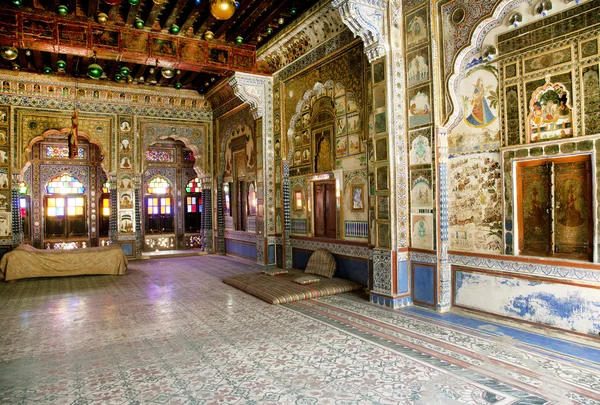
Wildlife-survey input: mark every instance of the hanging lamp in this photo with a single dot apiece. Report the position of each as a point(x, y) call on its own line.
point(223, 9)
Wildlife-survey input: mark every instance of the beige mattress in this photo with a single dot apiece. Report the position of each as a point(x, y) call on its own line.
point(26, 262)
point(281, 289)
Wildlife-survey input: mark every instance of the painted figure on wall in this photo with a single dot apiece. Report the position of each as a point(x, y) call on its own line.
point(481, 114)
point(550, 113)
point(571, 216)
point(73, 150)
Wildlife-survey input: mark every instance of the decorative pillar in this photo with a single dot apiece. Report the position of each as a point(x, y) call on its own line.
point(17, 223)
point(207, 222)
point(257, 92)
point(287, 222)
point(113, 232)
point(137, 196)
point(220, 217)
point(445, 274)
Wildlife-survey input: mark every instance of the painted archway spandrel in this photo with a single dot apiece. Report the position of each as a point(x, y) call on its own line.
point(32, 124)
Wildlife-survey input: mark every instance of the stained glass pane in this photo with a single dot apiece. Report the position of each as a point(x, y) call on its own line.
point(55, 151)
point(51, 202)
point(71, 211)
point(64, 184)
point(51, 211)
point(106, 187)
point(60, 211)
point(194, 186)
point(159, 155)
point(159, 185)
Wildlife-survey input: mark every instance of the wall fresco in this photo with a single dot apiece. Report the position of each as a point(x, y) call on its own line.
point(475, 210)
point(479, 130)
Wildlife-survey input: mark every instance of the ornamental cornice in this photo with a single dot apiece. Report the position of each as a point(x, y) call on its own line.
point(366, 19)
point(251, 90)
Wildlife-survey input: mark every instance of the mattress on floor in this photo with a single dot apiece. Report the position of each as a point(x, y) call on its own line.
point(281, 289)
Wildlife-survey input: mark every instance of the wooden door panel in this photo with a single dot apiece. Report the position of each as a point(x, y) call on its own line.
point(573, 208)
point(330, 210)
point(319, 210)
point(534, 200)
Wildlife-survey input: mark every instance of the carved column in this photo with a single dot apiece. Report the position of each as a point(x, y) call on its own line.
point(445, 274)
point(207, 221)
point(220, 217)
point(17, 222)
point(113, 219)
point(287, 223)
point(257, 92)
point(137, 196)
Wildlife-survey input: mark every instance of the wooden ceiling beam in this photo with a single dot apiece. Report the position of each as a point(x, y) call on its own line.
point(192, 17)
point(173, 16)
point(132, 14)
point(37, 58)
point(37, 4)
point(112, 14)
point(140, 72)
point(261, 8)
point(153, 16)
point(190, 78)
point(273, 16)
point(238, 20)
point(93, 8)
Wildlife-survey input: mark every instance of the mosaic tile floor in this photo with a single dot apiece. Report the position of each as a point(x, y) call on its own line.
point(170, 332)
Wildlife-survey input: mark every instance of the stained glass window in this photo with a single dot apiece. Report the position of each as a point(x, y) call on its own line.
point(55, 151)
point(64, 184)
point(23, 206)
point(192, 205)
point(105, 207)
point(194, 186)
point(189, 156)
point(57, 206)
point(159, 185)
point(161, 205)
point(106, 187)
point(159, 155)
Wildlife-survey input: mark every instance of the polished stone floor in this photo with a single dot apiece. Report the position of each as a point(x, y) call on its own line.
point(170, 332)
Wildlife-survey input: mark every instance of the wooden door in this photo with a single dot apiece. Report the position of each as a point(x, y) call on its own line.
point(325, 209)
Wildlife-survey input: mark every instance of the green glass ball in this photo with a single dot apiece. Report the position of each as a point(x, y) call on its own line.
point(134, 2)
point(239, 40)
point(174, 29)
point(94, 71)
point(118, 77)
point(47, 70)
point(124, 71)
point(139, 24)
point(17, 3)
point(269, 30)
point(63, 10)
point(178, 85)
point(61, 64)
point(293, 11)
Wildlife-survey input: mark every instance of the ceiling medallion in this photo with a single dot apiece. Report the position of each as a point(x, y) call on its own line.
point(222, 9)
point(9, 52)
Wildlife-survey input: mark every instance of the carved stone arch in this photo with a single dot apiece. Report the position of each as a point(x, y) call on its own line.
point(226, 138)
point(63, 132)
point(470, 52)
point(193, 138)
point(305, 104)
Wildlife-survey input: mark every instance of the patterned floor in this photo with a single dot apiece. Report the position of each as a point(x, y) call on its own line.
point(170, 332)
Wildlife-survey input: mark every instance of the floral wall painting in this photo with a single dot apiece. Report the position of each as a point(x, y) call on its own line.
point(479, 130)
point(416, 28)
point(475, 217)
point(421, 194)
point(549, 113)
point(420, 147)
point(422, 231)
point(418, 66)
point(358, 203)
point(419, 107)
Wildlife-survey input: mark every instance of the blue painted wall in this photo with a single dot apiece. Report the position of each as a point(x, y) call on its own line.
point(348, 268)
point(571, 307)
point(240, 248)
point(423, 278)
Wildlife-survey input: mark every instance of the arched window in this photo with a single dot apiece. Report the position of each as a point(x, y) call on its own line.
point(193, 205)
point(104, 224)
point(159, 210)
point(65, 207)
